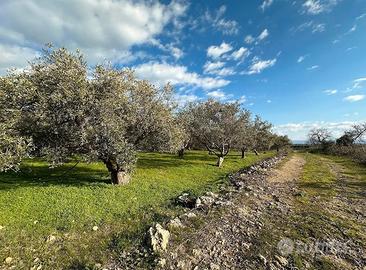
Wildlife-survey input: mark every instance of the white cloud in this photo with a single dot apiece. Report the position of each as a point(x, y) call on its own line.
point(350, 48)
point(216, 94)
point(259, 65)
point(269, 101)
point(358, 83)
point(313, 67)
point(354, 28)
point(219, 94)
point(330, 91)
point(318, 28)
point(314, 27)
point(249, 39)
point(354, 98)
point(210, 66)
point(361, 16)
point(176, 52)
point(315, 7)
point(170, 48)
point(227, 27)
point(103, 28)
point(217, 51)
point(299, 131)
point(242, 99)
point(227, 71)
point(183, 99)
point(217, 68)
point(266, 4)
point(263, 35)
point(301, 58)
point(15, 57)
point(162, 73)
point(242, 52)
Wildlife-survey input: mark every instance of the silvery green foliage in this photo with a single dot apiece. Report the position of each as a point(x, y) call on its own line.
point(216, 125)
point(246, 138)
point(262, 133)
point(104, 114)
point(281, 142)
point(13, 146)
point(319, 136)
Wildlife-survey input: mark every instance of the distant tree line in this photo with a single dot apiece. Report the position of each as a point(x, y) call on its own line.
point(59, 108)
point(351, 143)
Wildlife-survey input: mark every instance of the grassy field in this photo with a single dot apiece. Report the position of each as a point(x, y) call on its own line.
point(47, 215)
point(334, 189)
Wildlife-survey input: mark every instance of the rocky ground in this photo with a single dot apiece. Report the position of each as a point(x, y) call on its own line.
point(263, 220)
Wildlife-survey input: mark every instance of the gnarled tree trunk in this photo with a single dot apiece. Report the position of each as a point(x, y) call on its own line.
point(220, 161)
point(118, 176)
point(243, 152)
point(181, 153)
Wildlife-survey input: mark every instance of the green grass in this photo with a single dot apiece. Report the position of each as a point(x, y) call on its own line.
point(317, 178)
point(39, 202)
point(317, 215)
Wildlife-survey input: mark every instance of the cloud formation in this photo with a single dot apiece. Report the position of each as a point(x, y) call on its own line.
point(103, 29)
point(259, 65)
point(217, 51)
point(330, 91)
point(354, 98)
point(163, 73)
point(218, 22)
point(264, 34)
point(266, 4)
point(299, 131)
point(315, 7)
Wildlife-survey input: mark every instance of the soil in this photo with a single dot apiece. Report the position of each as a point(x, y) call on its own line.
point(272, 224)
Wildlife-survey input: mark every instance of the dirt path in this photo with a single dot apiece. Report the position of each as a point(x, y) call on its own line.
point(273, 223)
point(289, 171)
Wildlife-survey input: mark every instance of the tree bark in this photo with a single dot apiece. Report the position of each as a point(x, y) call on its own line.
point(119, 177)
point(220, 161)
point(181, 153)
point(242, 153)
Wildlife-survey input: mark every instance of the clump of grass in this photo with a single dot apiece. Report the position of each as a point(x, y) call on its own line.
point(39, 202)
point(317, 178)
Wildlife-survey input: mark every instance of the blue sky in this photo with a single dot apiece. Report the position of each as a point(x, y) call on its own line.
point(298, 64)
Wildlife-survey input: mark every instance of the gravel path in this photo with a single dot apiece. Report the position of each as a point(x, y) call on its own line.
point(267, 226)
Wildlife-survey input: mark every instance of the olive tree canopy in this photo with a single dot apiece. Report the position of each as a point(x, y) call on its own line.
point(104, 114)
point(262, 134)
point(356, 133)
point(217, 126)
point(319, 136)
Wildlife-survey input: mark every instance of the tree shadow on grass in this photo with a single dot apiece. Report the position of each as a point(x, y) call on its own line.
point(41, 175)
point(37, 172)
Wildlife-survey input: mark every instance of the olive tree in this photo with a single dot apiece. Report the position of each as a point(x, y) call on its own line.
point(13, 146)
point(281, 142)
point(263, 137)
point(356, 133)
point(128, 115)
point(184, 120)
point(105, 114)
point(216, 126)
point(246, 134)
point(319, 136)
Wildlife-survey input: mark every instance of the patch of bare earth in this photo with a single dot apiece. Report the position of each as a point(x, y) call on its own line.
point(289, 171)
point(269, 224)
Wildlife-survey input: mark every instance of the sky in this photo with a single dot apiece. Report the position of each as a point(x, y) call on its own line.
point(298, 64)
